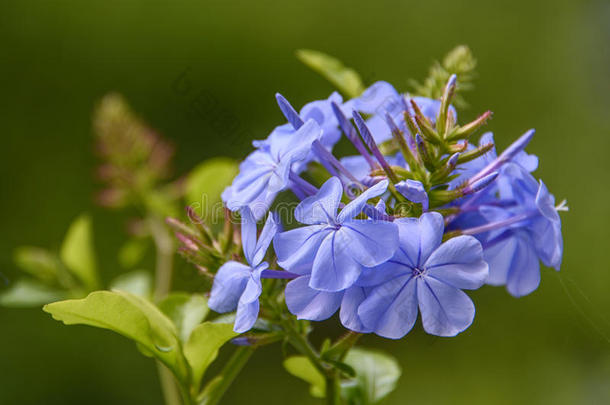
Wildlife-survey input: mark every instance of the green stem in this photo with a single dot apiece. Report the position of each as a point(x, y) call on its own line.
point(301, 343)
point(171, 395)
point(333, 390)
point(230, 371)
point(163, 277)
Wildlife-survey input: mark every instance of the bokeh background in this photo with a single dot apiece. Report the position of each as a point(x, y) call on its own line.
point(542, 64)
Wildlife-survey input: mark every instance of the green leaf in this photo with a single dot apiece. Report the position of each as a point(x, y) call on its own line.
point(38, 262)
point(27, 293)
point(376, 376)
point(130, 316)
point(77, 252)
point(301, 367)
point(203, 345)
point(132, 252)
point(206, 182)
point(186, 310)
point(137, 282)
point(345, 79)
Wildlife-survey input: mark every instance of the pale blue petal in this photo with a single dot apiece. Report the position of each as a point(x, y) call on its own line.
point(297, 248)
point(248, 234)
point(245, 318)
point(390, 309)
point(375, 98)
point(372, 242)
point(545, 202)
point(414, 191)
point(431, 226)
point(269, 230)
point(321, 207)
point(548, 241)
point(419, 237)
point(348, 314)
point(307, 303)
point(355, 206)
point(229, 284)
point(334, 268)
point(459, 262)
point(445, 310)
point(513, 262)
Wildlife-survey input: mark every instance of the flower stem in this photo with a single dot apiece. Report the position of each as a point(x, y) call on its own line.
point(230, 371)
point(333, 390)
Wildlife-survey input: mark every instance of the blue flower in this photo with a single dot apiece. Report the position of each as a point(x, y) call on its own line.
point(334, 248)
point(238, 286)
point(426, 274)
point(517, 237)
point(266, 171)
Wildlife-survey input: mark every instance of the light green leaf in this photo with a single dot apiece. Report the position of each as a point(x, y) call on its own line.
point(27, 293)
point(77, 252)
point(38, 262)
point(301, 367)
point(130, 316)
point(137, 282)
point(376, 376)
point(203, 345)
point(132, 252)
point(345, 79)
point(186, 310)
point(206, 182)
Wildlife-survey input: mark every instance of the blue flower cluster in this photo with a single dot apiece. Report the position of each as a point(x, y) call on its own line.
point(403, 227)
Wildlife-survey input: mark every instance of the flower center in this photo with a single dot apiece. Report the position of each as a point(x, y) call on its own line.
point(417, 272)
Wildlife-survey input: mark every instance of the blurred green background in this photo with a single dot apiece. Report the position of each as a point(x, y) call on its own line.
point(542, 64)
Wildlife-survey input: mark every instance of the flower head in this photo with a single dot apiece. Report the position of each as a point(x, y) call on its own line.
point(426, 274)
point(335, 247)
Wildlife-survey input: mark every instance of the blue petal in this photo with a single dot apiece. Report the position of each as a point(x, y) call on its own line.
point(356, 165)
point(248, 307)
point(348, 314)
point(419, 237)
point(229, 284)
point(545, 202)
point(375, 98)
point(321, 207)
point(548, 241)
point(322, 112)
point(513, 262)
point(307, 303)
point(245, 318)
point(269, 230)
point(334, 268)
point(372, 242)
point(355, 206)
point(248, 234)
point(459, 262)
point(445, 310)
point(297, 248)
point(414, 191)
point(296, 146)
point(390, 310)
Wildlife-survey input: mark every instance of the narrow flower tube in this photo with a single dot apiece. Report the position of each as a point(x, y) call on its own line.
point(350, 133)
point(505, 156)
point(370, 142)
point(478, 185)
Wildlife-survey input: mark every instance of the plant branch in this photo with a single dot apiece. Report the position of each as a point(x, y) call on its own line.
point(215, 390)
